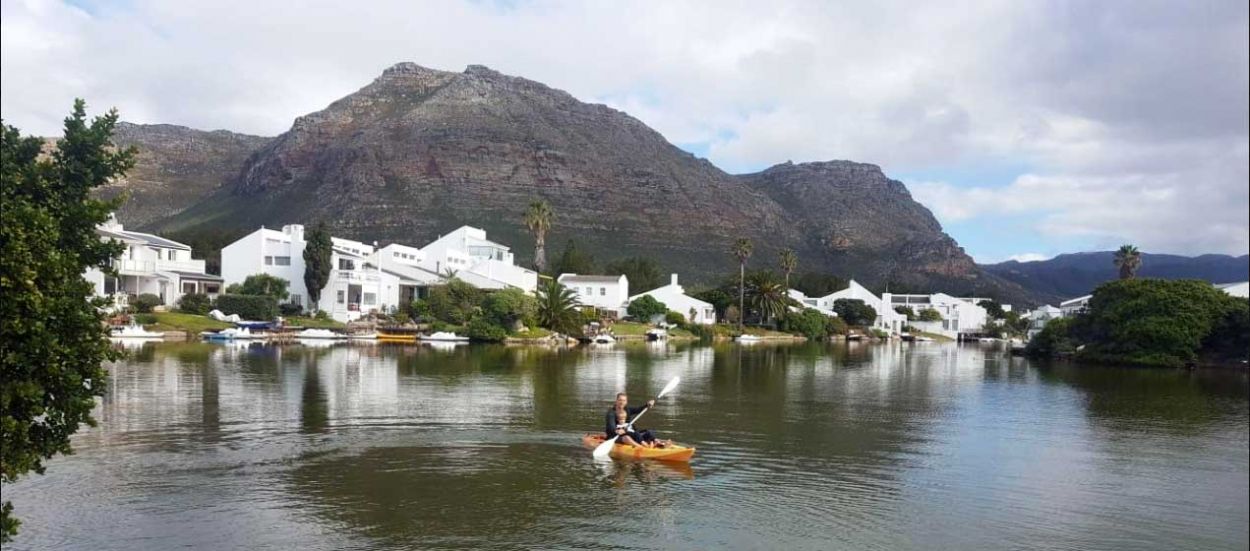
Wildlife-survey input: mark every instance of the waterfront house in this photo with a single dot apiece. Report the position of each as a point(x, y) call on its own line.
point(809, 302)
point(1039, 317)
point(607, 293)
point(471, 257)
point(675, 298)
point(959, 314)
point(887, 319)
point(1072, 307)
point(1240, 289)
point(150, 264)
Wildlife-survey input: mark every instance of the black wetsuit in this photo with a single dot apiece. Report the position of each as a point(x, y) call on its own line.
point(609, 427)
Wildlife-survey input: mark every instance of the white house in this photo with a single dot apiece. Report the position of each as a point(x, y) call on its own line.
point(675, 298)
point(1241, 289)
point(356, 285)
point(1074, 306)
point(1039, 317)
point(467, 253)
point(887, 319)
point(403, 277)
point(959, 314)
point(610, 293)
point(809, 302)
point(150, 265)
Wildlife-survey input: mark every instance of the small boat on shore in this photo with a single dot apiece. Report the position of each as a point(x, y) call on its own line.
point(233, 334)
point(656, 334)
point(370, 336)
point(444, 336)
point(396, 334)
point(603, 339)
point(922, 338)
point(747, 338)
point(319, 334)
point(134, 331)
point(854, 337)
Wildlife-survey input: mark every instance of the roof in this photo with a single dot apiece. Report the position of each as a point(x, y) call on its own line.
point(196, 275)
point(590, 278)
point(1075, 300)
point(346, 252)
point(1227, 285)
point(153, 240)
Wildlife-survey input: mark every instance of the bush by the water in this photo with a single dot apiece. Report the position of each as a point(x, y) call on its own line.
point(646, 307)
point(481, 329)
point(145, 302)
point(1054, 340)
point(674, 318)
point(855, 312)
point(195, 303)
point(290, 309)
point(1153, 322)
point(249, 307)
point(453, 303)
point(809, 323)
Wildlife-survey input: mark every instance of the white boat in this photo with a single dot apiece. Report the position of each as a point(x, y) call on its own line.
point(319, 334)
point(749, 338)
point(920, 338)
point(604, 339)
point(657, 334)
point(371, 336)
point(134, 331)
point(444, 336)
point(234, 334)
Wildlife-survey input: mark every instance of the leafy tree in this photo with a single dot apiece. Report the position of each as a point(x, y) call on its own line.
point(733, 315)
point(1055, 339)
point(1127, 260)
point(318, 258)
point(718, 297)
point(816, 284)
point(646, 307)
point(52, 339)
point(644, 274)
point(676, 318)
point(788, 261)
point(767, 297)
point(906, 311)
point(263, 285)
point(509, 308)
point(928, 314)
point(557, 307)
point(807, 322)
point(482, 329)
point(573, 260)
point(195, 303)
point(741, 250)
point(855, 312)
point(538, 218)
point(993, 309)
point(454, 302)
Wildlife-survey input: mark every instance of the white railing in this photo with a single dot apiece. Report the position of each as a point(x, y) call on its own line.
point(193, 265)
point(128, 265)
point(357, 276)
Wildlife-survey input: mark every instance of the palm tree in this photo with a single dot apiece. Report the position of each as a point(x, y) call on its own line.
point(742, 250)
point(768, 297)
point(557, 307)
point(789, 261)
point(538, 219)
point(1128, 260)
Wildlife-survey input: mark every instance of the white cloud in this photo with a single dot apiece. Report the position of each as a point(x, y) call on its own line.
point(1132, 116)
point(1029, 257)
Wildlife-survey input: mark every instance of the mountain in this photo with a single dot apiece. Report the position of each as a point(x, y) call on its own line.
point(1072, 275)
point(418, 152)
point(176, 167)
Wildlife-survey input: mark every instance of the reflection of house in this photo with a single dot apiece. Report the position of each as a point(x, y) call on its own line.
point(675, 298)
point(1039, 317)
point(150, 265)
point(610, 293)
point(887, 318)
point(479, 261)
point(1241, 289)
point(1074, 306)
point(959, 314)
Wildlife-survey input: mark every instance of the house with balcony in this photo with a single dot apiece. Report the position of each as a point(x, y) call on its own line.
point(356, 286)
point(959, 314)
point(150, 264)
point(887, 319)
point(603, 292)
point(467, 254)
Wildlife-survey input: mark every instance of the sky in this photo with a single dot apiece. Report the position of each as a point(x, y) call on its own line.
point(1028, 128)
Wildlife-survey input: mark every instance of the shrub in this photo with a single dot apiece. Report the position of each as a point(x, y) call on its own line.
point(290, 309)
point(1149, 321)
point(906, 311)
point(879, 333)
point(646, 307)
point(420, 310)
point(510, 308)
point(481, 329)
point(454, 302)
point(854, 312)
point(835, 326)
point(195, 303)
point(261, 284)
point(674, 318)
point(1053, 340)
point(145, 302)
point(144, 319)
point(807, 322)
point(321, 315)
point(250, 307)
point(929, 314)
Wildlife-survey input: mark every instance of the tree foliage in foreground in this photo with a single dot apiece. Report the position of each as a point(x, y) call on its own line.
point(52, 341)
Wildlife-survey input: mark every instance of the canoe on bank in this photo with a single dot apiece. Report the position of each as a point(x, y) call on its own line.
point(623, 451)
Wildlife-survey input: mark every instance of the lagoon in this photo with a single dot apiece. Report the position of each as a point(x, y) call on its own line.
point(806, 446)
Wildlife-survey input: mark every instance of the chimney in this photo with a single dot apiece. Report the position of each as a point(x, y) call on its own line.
point(296, 231)
point(672, 279)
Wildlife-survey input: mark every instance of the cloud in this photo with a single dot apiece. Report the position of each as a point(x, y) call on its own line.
point(1131, 116)
point(1029, 257)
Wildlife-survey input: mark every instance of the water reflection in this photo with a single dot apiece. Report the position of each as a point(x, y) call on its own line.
point(811, 446)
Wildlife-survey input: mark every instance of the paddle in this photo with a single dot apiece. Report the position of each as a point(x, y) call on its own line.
point(602, 451)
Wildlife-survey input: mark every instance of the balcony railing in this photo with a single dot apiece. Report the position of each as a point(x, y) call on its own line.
point(345, 275)
point(149, 266)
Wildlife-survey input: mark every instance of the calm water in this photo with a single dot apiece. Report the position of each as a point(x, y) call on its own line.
point(893, 446)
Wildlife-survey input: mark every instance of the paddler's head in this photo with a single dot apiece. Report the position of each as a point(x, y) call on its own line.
point(622, 400)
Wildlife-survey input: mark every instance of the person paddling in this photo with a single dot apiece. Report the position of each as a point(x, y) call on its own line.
point(617, 419)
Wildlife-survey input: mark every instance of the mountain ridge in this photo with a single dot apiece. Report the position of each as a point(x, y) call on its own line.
point(1074, 274)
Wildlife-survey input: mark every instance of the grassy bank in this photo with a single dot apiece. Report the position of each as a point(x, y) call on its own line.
point(177, 321)
point(314, 323)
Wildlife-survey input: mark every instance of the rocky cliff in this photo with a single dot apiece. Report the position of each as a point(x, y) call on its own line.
point(418, 152)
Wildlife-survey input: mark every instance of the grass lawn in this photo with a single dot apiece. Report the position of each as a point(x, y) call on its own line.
point(764, 332)
point(933, 336)
point(532, 333)
point(314, 323)
point(191, 323)
point(629, 329)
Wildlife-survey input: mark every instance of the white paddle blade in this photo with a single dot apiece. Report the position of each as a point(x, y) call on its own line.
point(669, 387)
point(603, 450)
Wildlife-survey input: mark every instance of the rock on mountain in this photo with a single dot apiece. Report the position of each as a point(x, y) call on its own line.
point(418, 152)
point(176, 167)
point(1072, 275)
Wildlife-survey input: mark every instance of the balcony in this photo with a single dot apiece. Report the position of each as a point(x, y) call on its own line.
point(131, 267)
point(356, 277)
point(128, 266)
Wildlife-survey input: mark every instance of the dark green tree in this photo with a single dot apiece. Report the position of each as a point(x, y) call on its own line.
point(573, 260)
point(557, 307)
point(509, 308)
point(263, 285)
point(644, 274)
point(646, 307)
point(993, 309)
point(318, 255)
point(455, 303)
point(928, 314)
point(52, 341)
point(855, 311)
point(816, 284)
point(766, 297)
point(906, 311)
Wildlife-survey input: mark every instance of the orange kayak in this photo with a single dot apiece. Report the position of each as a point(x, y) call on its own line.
point(624, 451)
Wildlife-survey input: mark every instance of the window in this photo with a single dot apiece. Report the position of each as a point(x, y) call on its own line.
point(370, 299)
point(282, 260)
point(590, 292)
point(345, 264)
point(211, 288)
point(603, 291)
point(173, 255)
point(297, 300)
point(188, 287)
point(269, 261)
point(158, 254)
point(341, 297)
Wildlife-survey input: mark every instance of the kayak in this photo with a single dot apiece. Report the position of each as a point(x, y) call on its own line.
point(624, 451)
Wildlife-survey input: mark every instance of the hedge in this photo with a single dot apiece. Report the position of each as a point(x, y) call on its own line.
point(249, 307)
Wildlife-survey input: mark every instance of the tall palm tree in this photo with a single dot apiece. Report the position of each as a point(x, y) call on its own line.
point(557, 307)
point(538, 219)
point(767, 296)
point(1128, 260)
point(789, 261)
point(742, 250)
